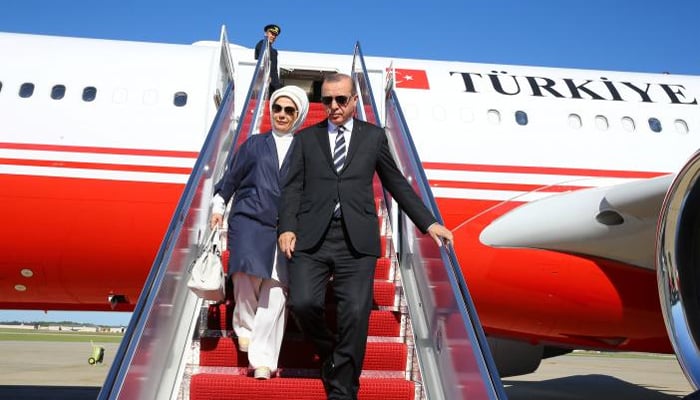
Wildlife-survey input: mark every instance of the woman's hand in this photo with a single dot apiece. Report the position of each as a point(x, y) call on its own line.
point(216, 221)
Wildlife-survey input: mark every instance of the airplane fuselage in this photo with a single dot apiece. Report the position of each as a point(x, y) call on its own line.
point(90, 185)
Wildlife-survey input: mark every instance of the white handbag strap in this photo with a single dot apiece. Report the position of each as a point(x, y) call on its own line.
point(213, 242)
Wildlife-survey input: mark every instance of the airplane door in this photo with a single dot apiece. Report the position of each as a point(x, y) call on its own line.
point(226, 68)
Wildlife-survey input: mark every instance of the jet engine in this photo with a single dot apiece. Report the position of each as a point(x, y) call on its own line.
point(513, 357)
point(678, 266)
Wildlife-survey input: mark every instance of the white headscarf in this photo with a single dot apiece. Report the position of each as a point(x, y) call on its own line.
point(300, 99)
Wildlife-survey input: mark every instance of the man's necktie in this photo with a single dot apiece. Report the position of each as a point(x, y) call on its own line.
point(339, 161)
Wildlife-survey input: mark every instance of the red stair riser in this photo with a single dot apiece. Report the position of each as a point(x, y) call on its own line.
point(235, 387)
point(222, 352)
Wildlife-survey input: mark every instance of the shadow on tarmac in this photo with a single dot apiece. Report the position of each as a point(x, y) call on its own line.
point(583, 387)
point(26, 392)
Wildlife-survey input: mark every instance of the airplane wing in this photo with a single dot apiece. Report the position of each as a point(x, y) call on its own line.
point(615, 222)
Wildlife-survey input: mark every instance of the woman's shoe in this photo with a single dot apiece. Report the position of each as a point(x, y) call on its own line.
point(262, 373)
point(243, 344)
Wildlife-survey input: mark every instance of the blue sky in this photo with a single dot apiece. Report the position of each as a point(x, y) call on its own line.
point(634, 35)
point(627, 35)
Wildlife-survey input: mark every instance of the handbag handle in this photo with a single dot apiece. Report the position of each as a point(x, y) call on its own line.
point(213, 242)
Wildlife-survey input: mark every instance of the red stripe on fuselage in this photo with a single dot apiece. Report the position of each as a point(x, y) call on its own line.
point(98, 166)
point(504, 186)
point(99, 150)
point(541, 170)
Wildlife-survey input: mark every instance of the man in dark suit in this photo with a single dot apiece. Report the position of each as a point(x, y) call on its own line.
point(329, 227)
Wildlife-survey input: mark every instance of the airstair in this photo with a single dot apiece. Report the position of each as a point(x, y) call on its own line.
point(425, 338)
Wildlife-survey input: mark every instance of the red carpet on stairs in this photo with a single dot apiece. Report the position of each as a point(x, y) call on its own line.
point(222, 371)
point(232, 387)
point(384, 371)
point(223, 352)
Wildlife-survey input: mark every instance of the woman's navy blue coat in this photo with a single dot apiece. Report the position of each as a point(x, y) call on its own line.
point(256, 181)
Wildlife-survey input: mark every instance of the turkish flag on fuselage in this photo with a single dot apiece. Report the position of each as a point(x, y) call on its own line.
point(411, 79)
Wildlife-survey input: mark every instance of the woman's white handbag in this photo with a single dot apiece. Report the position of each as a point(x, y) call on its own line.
point(207, 278)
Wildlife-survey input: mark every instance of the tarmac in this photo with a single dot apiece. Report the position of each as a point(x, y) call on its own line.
point(52, 370)
point(60, 371)
point(603, 376)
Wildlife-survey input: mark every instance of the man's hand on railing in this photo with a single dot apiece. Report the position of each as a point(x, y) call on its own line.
point(287, 240)
point(440, 234)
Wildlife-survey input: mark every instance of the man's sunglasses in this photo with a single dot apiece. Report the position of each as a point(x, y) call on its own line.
point(287, 110)
point(340, 100)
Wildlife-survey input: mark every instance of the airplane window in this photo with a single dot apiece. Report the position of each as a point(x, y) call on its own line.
point(521, 117)
point(467, 115)
point(654, 124)
point(575, 121)
point(26, 90)
point(628, 124)
point(601, 122)
point(180, 99)
point(494, 116)
point(58, 91)
point(150, 97)
point(89, 93)
point(681, 126)
point(439, 113)
point(120, 96)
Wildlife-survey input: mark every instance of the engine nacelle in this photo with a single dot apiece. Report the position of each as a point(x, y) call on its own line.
point(514, 357)
point(678, 266)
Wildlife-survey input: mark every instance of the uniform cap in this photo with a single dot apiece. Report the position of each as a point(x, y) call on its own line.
point(275, 29)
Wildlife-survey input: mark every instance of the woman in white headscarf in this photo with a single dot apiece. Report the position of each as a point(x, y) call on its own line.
point(259, 271)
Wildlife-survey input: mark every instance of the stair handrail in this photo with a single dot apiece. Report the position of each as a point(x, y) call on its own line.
point(143, 367)
point(188, 225)
point(430, 318)
point(366, 106)
point(256, 98)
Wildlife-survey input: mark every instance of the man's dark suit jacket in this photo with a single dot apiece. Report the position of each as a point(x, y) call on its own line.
point(313, 188)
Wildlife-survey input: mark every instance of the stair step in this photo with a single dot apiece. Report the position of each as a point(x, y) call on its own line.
point(223, 352)
point(381, 322)
point(289, 372)
point(386, 296)
point(233, 387)
point(383, 269)
point(384, 323)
